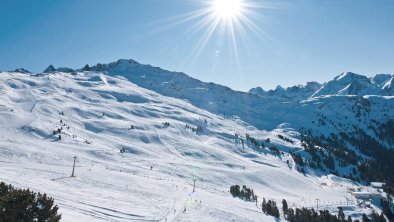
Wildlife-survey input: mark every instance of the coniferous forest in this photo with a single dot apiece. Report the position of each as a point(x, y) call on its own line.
point(24, 205)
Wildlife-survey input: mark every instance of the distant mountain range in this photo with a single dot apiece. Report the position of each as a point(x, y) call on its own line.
point(347, 83)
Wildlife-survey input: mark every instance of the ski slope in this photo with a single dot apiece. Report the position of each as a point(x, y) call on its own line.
point(102, 113)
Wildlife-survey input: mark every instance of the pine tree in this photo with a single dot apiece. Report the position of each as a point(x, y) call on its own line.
point(341, 215)
point(285, 207)
point(235, 191)
point(365, 218)
point(26, 206)
point(264, 206)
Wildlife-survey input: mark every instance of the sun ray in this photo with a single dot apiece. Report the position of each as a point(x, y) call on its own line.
point(232, 20)
point(196, 51)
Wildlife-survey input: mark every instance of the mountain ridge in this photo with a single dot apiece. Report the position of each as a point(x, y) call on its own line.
point(347, 83)
point(229, 103)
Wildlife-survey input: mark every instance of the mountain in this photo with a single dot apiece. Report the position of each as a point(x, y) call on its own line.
point(388, 87)
point(304, 108)
point(22, 70)
point(269, 112)
point(294, 93)
point(297, 107)
point(347, 83)
point(49, 69)
point(143, 136)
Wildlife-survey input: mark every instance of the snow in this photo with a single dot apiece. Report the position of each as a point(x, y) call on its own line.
point(365, 195)
point(347, 83)
point(389, 85)
point(153, 179)
point(377, 184)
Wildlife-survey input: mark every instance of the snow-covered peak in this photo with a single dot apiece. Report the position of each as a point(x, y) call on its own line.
point(347, 83)
point(293, 93)
point(381, 79)
point(349, 77)
point(120, 65)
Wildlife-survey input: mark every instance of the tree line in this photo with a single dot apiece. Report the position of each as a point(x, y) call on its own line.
point(269, 207)
point(26, 206)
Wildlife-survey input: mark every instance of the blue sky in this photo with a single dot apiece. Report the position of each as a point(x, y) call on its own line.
point(298, 40)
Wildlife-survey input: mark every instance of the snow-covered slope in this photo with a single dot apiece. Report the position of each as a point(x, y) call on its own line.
point(270, 112)
point(133, 166)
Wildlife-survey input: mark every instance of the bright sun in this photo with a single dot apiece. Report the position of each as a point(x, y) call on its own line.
point(227, 9)
point(220, 23)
